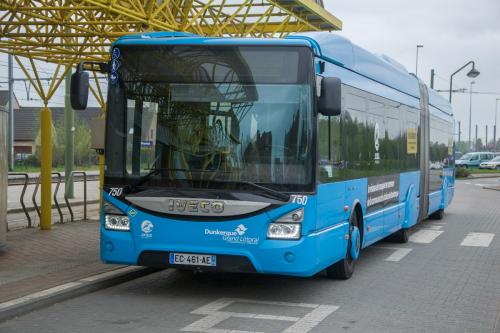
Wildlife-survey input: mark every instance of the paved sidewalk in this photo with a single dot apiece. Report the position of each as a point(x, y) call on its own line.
point(35, 260)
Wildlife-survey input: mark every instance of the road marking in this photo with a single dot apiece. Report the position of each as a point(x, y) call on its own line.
point(425, 236)
point(480, 239)
point(434, 227)
point(398, 254)
point(214, 316)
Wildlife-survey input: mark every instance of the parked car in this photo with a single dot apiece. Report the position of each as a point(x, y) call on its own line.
point(473, 160)
point(493, 164)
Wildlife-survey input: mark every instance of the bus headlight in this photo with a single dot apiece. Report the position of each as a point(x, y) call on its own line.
point(294, 216)
point(287, 227)
point(117, 222)
point(283, 231)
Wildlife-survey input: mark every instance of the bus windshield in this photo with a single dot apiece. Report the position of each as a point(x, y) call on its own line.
point(211, 117)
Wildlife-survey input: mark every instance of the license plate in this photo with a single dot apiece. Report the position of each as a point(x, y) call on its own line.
point(193, 259)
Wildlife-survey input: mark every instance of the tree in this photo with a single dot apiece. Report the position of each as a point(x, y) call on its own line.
point(84, 156)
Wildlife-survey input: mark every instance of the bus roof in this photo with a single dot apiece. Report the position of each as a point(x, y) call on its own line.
point(329, 46)
point(381, 68)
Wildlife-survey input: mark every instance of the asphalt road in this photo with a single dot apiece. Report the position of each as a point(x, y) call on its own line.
point(446, 279)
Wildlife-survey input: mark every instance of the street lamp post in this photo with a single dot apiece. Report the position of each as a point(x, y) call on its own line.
point(473, 73)
point(416, 61)
point(470, 113)
point(495, 126)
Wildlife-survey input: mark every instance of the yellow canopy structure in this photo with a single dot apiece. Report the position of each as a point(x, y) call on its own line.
point(62, 30)
point(66, 32)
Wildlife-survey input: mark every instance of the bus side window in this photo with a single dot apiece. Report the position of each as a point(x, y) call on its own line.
point(329, 161)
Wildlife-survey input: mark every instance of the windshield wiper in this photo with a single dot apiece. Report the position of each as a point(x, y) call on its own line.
point(276, 194)
point(153, 172)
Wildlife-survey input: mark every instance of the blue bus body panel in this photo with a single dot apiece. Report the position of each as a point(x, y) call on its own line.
point(267, 256)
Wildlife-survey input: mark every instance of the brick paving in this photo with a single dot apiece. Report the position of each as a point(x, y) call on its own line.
point(35, 260)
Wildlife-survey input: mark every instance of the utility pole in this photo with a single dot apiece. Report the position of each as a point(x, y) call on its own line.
point(470, 114)
point(11, 156)
point(416, 61)
point(69, 132)
point(476, 139)
point(433, 73)
point(495, 125)
point(459, 132)
point(486, 143)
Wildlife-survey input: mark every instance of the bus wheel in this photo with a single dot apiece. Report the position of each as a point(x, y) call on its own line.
point(438, 215)
point(344, 268)
point(400, 236)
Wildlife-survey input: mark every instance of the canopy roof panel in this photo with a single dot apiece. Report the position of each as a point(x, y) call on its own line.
point(69, 31)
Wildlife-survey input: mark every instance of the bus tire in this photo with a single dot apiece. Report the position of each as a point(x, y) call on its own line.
point(344, 268)
point(437, 215)
point(400, 236)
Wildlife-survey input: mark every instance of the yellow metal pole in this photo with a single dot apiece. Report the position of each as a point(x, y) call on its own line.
point(101, 177)
point(46, 168)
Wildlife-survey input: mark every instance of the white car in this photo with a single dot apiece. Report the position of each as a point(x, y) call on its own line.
point(492, 164)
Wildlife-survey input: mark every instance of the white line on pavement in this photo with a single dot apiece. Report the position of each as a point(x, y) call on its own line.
point(481, 239)
point(425, 236)
point(434, 227)
point(398, 254)
point(214, 316)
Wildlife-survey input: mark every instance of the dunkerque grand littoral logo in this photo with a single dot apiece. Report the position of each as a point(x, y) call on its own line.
point(241, 229)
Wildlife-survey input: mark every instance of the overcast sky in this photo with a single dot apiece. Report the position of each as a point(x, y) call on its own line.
point(452, 32)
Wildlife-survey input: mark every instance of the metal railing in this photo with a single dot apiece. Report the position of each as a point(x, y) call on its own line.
point(34, 178)
point(68, 204)
point(24, 179)
point(23, 192)
point(56, 190)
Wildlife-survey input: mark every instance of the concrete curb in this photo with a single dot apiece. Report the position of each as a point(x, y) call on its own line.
point(44, 298)
point(494, 188)
point(485, 175)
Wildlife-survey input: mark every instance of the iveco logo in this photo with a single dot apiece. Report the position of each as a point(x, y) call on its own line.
point(195, 206)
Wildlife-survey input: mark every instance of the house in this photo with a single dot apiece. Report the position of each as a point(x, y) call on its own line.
point(27, 125)
point(27, 121)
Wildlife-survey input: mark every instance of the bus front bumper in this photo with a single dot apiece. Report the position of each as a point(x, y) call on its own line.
point(304, 257)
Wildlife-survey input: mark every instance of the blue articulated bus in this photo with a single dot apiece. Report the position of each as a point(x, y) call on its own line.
point(276, 156)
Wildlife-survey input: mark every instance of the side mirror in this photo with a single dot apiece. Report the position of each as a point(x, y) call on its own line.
point(330, 99)
point(79, 89)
